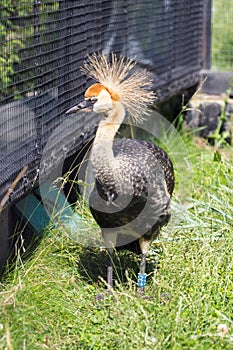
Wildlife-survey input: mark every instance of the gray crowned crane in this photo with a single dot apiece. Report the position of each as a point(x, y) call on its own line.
point(134, 179)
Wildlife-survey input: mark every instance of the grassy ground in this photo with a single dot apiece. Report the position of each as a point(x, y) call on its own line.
point(48, 301)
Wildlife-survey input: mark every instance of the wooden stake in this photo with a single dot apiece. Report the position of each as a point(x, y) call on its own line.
point(12, 186)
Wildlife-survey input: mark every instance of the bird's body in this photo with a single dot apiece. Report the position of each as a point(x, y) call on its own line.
point(123, 206)
point(134, 179)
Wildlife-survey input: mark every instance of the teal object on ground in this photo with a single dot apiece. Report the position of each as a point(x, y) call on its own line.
point(33, 213)
point(53, 208)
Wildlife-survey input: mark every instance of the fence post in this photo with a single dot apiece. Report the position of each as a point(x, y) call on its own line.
point(37, 71)
point(206, 34)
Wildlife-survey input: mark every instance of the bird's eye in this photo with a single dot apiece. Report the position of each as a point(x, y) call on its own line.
point(93, 100)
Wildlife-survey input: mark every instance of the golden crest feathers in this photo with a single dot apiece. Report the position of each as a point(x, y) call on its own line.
point(116, 75)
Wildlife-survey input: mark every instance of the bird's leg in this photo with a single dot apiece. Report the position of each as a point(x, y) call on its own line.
point(144, 245)
point(142, 275)
point(110, 242)
point(109, 271)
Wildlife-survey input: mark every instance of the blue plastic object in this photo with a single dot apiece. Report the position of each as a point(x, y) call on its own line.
point(141, 280)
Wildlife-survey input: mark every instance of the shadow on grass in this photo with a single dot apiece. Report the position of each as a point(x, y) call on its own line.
point(92, 265)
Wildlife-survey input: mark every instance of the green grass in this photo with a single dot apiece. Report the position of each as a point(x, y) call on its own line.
point(48, 301)
point(222, 35)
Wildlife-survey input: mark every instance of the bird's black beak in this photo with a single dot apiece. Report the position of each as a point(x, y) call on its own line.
point(81, 105)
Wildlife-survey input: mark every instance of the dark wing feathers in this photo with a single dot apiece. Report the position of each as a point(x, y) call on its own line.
point(143, 163)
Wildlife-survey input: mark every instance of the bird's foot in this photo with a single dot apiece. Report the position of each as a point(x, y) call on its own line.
point(101, 296)
point(141, 291)
point(141, 294)
point(164, 298)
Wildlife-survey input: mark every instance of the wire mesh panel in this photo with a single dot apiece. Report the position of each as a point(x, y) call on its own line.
point(43, 44)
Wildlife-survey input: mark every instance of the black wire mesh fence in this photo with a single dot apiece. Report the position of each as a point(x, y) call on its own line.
point(43, 44)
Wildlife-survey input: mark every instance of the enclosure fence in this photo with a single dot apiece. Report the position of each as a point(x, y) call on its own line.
point(43, 45)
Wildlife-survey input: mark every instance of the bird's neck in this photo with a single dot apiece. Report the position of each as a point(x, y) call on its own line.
point(102, 150)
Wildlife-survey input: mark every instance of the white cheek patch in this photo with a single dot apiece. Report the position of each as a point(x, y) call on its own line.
point(104, 102)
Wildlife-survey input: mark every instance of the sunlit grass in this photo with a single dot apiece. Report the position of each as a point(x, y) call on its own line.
point(222, 35)
point(48, 301)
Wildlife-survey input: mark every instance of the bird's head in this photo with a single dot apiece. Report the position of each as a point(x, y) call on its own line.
point(100, 98)
point(117, 85)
